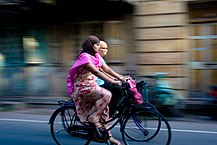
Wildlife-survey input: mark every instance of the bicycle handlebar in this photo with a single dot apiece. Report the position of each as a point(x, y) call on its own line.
point(125, 85)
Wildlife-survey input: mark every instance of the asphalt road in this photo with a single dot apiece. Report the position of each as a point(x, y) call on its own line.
point(30, 127)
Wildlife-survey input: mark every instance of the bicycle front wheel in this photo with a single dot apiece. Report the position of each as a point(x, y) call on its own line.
point(146, 126)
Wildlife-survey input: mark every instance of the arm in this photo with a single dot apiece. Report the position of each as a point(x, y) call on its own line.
point(108, 74)
point(90, 67)
point(112, 73)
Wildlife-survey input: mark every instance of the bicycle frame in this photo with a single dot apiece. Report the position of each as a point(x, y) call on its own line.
point(126, 109)
point(120, 116)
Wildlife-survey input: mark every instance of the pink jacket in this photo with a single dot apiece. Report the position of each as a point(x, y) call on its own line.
point(84, 58)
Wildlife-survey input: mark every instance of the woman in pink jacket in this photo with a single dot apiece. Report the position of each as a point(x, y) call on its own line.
point(90, 99)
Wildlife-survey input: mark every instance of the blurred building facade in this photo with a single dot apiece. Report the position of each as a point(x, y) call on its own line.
point(40, 39)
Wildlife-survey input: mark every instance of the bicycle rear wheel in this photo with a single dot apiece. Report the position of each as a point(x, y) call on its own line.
point(61, 124)
point(146, 126)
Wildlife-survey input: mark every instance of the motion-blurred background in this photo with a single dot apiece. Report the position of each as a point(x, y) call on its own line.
point(40, 39)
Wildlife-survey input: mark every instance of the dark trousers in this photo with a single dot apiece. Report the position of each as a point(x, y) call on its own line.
point(116, 96)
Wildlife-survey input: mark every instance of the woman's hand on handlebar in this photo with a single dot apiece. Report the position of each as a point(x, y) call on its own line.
point(121, 80)
point(125, 78)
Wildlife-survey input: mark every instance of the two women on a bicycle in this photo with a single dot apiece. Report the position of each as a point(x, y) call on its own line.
point(92, 100)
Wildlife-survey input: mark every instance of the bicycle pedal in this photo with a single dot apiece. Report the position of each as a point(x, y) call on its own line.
point(99, 133)
point(100, 136)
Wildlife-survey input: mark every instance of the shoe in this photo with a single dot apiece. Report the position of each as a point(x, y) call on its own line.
point(114, 141)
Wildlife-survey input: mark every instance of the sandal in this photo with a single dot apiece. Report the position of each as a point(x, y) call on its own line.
point(114, 141)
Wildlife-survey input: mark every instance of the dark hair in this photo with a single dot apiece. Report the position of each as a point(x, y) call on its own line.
point(87, 45)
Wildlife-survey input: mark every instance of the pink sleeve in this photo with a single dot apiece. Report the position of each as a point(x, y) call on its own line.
point(84, 58)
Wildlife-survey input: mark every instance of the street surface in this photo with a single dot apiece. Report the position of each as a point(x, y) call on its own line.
point(30, 127)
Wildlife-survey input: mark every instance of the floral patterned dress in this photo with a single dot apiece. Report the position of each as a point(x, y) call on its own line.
point(90, 99)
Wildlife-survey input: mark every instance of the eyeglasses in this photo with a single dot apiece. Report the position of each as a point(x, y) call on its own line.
point(103, 48)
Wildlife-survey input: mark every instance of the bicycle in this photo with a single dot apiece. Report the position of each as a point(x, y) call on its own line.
point(138, 123)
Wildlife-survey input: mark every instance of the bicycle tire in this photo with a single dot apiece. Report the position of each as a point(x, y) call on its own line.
point(146, 126)
point(147, 105)
point(61, 120)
